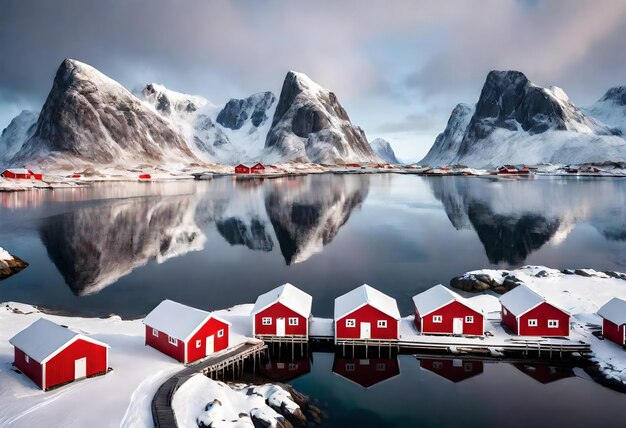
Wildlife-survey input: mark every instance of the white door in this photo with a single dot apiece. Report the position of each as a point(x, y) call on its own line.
point(280, 327)
point(210, 344)
point(80, 368)
point(457, 326)
point(366, 330)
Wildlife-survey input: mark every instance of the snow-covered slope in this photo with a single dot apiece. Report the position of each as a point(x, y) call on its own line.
point(13, 136)
point(611, 109)
point(384, 150)
point(516, 121)
point(447, 143)
point(89, 118)
point(310, 125)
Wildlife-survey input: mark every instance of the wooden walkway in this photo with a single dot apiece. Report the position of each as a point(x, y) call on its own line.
point(162, 411)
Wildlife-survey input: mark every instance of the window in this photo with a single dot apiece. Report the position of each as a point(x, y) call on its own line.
point(293, 321)
point(437, 365)
point(198, 343)
point(351, 323)
point(220, 333)
point(350, 367)
point(469, 319)
point(382, 323)
point(468, 367)
point(532, 323)
point(26, 358)
point(155, 332)
point(553, 323)
point(293, 367)
point(437, 318)
point(172, 340)
point(266, 321)
point(381, 367)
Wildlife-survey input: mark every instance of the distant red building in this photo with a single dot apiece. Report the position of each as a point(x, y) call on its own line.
point(440, 310)
point(144, 177)
point(613, 315)
point(52, 355)
point(514, 169)
point(366, 313)
point(366, 372)
point(282, 312)
point(527, 313)
point(242, 169)
point(22, 174)
point(258, 168)
point(184, 333)
point(455, 370)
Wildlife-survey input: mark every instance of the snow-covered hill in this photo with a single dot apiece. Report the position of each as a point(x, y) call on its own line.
point(310, 125)
point(13, 136)
point(611, 109)
point(516, 121)
point(384, 150)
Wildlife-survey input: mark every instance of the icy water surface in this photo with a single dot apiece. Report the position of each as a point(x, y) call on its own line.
point(122, 248)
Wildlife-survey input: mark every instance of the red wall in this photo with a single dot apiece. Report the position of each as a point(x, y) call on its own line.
point(447, 368)
point(509, 320)
point(278, 310)
point(9, 174)
point(367, 314)
point(613, 332)
point(542, 314)
point(60, 369)
point(367, 372)
point(448, 313)
point(210, 328)
point(161, 343)
point(32, 369)
point(258, 168)
point(242, 169)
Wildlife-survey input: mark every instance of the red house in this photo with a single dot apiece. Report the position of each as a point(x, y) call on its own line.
point(21, 174)
point(366, 372)
point(52, 355)
point(613, 315)
point(242, 169)
point(366, 314)
point(258, 168)
point(527, 313)
point(36, 174)
point(439, 310)
point(282, 312)
point(184, 333)
point(454, 370)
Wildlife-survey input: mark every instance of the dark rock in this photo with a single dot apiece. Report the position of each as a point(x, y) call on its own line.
point(582, 273)
point(509, 284)
point(236, 232)
point(11, 267)
point(567, 271)
point(255, 108)
point(541, 274)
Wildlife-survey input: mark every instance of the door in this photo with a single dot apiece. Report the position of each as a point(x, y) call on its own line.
point(366, 330)
point(210, 344)
point(457, 326)
point(280, 327)
point(80, 368)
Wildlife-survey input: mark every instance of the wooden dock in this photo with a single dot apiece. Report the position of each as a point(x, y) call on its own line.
point(162, 411)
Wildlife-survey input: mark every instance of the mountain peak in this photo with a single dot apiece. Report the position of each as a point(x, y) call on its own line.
point(384, 150)
point(616, 94)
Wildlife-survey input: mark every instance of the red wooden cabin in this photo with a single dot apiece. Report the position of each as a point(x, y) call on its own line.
point(527, 313)
point(21, 174)
point(52, 355)
point(439, 310)
point(242, 169)
point(282, 312)
point(613, 315)
point(455, 370)
point(258, 168)
point(184, 333)
point(36, 174)
point(366, 372)
point(75, 175)
point(144, 177)
point(366, 314)
point(507, 169)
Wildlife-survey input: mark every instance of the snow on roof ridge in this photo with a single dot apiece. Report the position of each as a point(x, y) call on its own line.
point(287, 294)
point(523, 298)
point(614, 310)
point(365, 295)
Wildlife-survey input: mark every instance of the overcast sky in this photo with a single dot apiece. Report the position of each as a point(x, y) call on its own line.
point(398, 67)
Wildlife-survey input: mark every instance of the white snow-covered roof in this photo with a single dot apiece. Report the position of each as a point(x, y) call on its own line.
point(614, 310)
point(43, 339)
point(178, 320)
point(365, 295)
point(18, 170)
point(438, 296)
point(522, 299)
point(288, 295)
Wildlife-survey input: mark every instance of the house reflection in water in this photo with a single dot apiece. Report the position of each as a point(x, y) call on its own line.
point(366, 372)
point(286, 364)
point(455, 370)
point(545, 373)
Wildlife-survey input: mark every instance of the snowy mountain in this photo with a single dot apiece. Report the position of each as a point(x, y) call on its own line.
point(516, 121)
point(310, 125)
point(383, 149)
point(611, 109)
point(13, 136)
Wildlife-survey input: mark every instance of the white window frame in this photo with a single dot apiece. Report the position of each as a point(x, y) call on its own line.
point(381, 324)
point(220, 333)
point(553, 323)
point(437, 319)
point(198, 343)
point(155, 332)
point(27, 359)
point(172, 340)
point(266, 321)
point(532, 323)
point(294, 321)
point(469, 319)
point(350, 322)
point(350, 367)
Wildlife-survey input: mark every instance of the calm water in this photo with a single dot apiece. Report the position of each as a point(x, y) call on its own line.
point(122, 248)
